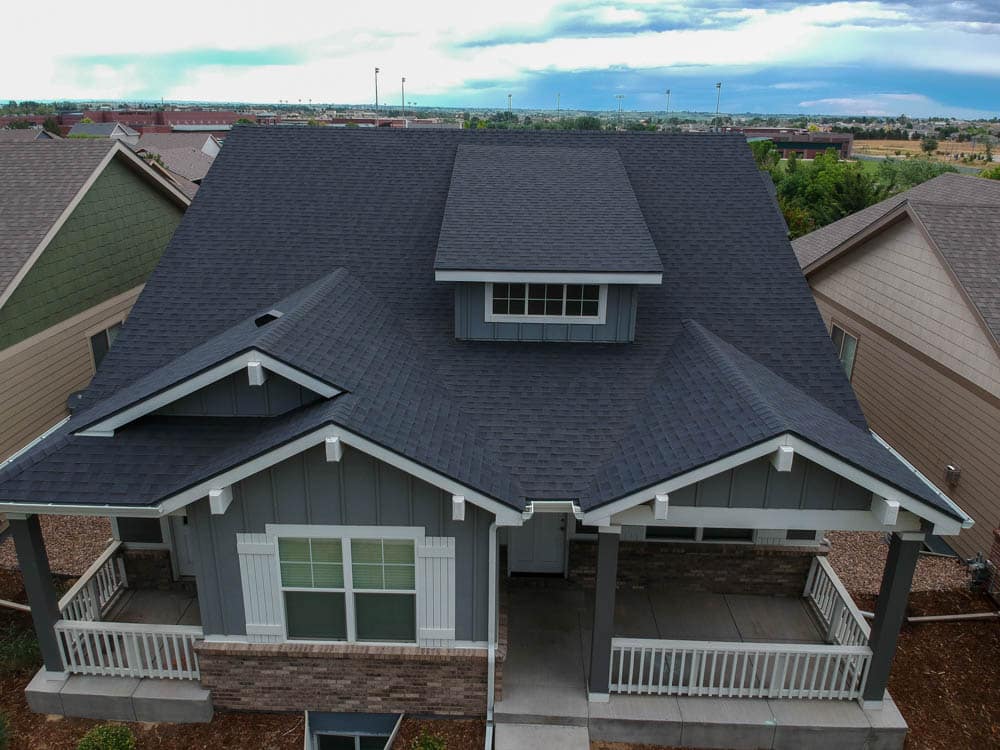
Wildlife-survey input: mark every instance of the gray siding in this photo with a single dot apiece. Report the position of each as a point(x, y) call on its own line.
point(357, 491)
point(756, 484)
point(233, 396)
point(470, 320)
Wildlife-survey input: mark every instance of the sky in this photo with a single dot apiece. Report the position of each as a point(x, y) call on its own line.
point(919, 57)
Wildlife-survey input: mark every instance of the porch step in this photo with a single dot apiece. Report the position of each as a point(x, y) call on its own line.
point(548, 736)
point(120, 698)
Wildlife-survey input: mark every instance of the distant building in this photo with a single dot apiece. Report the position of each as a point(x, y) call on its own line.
point(804, 143)
point(25, 135)
point(113, 130)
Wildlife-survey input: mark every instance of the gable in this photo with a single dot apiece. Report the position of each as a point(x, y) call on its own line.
point(898, 282)
point(108, 245)
point(234, 396)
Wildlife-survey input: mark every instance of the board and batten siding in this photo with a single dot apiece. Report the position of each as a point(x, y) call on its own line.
point(933, 418)
point(897, 282)
point(356, 491)
point(470, 320)
point(108, 245)
point(38, 374)
point(233, 396)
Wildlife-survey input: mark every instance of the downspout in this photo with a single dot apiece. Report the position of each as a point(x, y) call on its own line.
point(491, 636)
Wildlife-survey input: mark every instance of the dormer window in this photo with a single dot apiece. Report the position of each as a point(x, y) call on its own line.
point(546, 303)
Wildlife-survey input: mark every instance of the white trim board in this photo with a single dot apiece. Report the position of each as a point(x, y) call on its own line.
point(114, 150)
point(943, 524)
point(551, 277)
point(766, 518)
point(106, 427)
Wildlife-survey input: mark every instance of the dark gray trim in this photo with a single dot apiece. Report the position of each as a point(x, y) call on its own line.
point(34, 564)
point(604, 612)
point(889, 612)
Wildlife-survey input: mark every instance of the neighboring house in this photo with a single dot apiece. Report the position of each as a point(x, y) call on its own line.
point(380, 378)
point(910, 290)
point(113, 130)
point(25, 135)
point(159, 142)
point(184, 158)
point(82, 224)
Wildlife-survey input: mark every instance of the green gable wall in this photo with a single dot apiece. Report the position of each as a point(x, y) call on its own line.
point(109, 245)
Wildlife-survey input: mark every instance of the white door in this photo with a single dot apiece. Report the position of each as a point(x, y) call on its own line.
point(539, 546)
point(183, 545)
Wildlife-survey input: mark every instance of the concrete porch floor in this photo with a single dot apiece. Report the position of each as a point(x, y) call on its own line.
point(155, 607)
point(546, 673)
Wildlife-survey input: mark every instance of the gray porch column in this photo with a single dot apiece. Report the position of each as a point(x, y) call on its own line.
point(604, 613)
point(34, 563)
point(890, 609)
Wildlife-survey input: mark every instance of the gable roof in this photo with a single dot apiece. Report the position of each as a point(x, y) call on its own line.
point(190, 163)
point(960, 215)
point(25, 135)
point(543, 209)
point(286, 208)
point(106, 129)
point(164, 141)
point(40, 184)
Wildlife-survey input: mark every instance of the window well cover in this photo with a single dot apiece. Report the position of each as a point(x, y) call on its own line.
point(543, 209)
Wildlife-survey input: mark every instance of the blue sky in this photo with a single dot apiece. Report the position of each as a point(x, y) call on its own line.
point(919, 57)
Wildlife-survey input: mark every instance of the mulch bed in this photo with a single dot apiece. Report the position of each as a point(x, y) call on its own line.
point(72, 543)
point(458, 734)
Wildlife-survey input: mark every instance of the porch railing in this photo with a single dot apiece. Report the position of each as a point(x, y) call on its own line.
point(122, 649)
point(97, 589)
point(840, 618)
point(737, 670)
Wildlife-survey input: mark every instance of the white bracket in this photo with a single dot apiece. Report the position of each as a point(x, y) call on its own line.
point(256, 373)
point(220, 500)
point(334, 449)
point(458, 507)
point(886, 511)
point(660, 507)
point(781, 460)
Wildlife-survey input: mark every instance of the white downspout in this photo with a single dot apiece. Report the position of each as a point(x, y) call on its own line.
point(491, 636)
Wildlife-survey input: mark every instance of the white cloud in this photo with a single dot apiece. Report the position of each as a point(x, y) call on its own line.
point(877, 105)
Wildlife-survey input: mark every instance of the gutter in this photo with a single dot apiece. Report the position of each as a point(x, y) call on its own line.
point(491, 636)
point(34, 442)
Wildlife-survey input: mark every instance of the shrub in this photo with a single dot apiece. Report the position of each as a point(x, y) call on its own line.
point(428, 741)
point(18, 649)
point(4, 732)
point(108, 737)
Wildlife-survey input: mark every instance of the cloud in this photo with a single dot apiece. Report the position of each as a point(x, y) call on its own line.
point(917, 105)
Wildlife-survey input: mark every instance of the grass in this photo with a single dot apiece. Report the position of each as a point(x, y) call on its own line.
point(18, 649)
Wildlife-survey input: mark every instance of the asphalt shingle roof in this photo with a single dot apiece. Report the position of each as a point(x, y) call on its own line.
point(286, 209)
point(543, 208)
point(962, 216)
point(37, 182)
point(100, 129)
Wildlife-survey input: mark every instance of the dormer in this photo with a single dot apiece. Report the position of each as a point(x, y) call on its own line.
point(544, 244)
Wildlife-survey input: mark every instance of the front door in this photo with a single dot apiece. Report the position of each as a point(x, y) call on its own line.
point(183, 545)
point(539, 546)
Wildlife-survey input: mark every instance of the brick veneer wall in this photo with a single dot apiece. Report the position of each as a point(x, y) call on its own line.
point(715, 568)
point(344, 677)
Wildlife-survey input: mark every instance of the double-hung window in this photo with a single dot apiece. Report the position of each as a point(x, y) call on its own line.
point(546, 303)
point(349, 589)
point(847, 348)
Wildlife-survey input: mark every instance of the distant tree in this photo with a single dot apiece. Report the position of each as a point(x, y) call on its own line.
point(20, 124)
point(313, 123)
point(928, 145)
point(86, 121)
point(993, 173)
point(765, 154)
point(245, 121)
point(51, 125)
point(792, 165)
point(587, 122)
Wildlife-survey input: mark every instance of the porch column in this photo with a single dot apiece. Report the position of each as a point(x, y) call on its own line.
point(904, 548)
point(34, 563)
point(604, 613)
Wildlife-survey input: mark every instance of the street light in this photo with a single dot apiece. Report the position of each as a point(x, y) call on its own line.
point(718, 100)
point(402, 94)
point(619, 97)
point(558, 109)
point(508, 103)
point(376, 96)
point(668, 105)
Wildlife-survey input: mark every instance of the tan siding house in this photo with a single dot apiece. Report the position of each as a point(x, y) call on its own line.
point(86, 224)
point(909, 287)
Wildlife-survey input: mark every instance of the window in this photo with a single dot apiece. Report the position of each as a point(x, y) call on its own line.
point(349, 589)
point(847, 348)
point(559, 303)
point(101, 342)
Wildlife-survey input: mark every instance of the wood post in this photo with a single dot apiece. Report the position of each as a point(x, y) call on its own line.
point(34, 564)
point(604, 614)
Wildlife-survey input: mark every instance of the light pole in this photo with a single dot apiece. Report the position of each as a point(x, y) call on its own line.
point(402, 95)
point(508, 104)
point(558, 108)
point(619, 97)
point(718, 100)
point(668, 106)
point(376, 96)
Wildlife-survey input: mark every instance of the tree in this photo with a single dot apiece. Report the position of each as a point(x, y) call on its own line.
point(929, 145)
point(245, 121)
point(20, 124)
point(587, 122)
point(765, 154)
point(51, 125)
point(86, 121)
point(993, 173)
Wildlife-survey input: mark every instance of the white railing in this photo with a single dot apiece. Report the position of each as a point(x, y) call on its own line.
point(737, 670)
point(97, 589)
point(840, 618)
point(122, 649)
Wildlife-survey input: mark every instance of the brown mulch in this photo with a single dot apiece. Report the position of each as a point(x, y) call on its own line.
point(859, 559)
point(458, 734)
point(72, 543)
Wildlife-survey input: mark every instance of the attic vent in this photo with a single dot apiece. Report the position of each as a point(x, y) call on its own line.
point(267, 317)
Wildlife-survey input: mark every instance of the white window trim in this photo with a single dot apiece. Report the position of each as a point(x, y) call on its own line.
point(345, 533)
point(840, 350)
point(588, 320)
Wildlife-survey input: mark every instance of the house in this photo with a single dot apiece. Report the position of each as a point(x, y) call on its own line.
point(189, 155)
point(405, 418)
point(81, 226)
point(115, 130)
point(806, 144)
point(25, 135)
point(910, 290)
